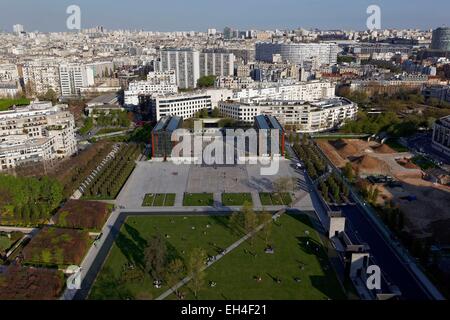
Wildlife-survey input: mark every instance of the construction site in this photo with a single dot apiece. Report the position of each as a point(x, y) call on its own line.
point(424, 203)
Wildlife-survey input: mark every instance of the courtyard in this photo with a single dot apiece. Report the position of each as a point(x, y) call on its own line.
point(180, 179)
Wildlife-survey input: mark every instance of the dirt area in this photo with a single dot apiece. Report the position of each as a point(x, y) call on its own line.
point(426, 205)
point(369, 158)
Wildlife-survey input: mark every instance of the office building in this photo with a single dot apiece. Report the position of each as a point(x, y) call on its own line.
point(264, 124)
point(441, 39)
point(441, 135)
point(182, 105)
point(162, 136)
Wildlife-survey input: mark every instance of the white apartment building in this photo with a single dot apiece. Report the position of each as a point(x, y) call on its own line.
point(182, 105)
point(185, 63)
point(73, 77)
point(189, 64)
point(36, 132)
point(9, 73)
point(42, 76)
point(216, 63)
point(157, 82)
point(306, 117)
point(297, 53)
point(303, 91)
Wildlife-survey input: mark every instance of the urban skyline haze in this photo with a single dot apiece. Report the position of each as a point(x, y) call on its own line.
point(198, 15)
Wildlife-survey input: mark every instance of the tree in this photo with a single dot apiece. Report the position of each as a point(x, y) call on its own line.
point(215, 113)
point(206, 81)
point(156, 257)
point(174, 273)
point(283, 184)
point(250, 219)
point(50, 95)
point(266, 220)
point(195, 267)
point(236, 223)
point(348, 171)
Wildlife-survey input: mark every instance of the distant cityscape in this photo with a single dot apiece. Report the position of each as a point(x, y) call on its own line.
point(89, 121)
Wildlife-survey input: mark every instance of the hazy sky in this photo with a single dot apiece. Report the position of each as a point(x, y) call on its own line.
point(198, 15)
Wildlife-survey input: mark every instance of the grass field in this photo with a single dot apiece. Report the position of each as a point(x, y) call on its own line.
point(5, 104)
point(5, 243)
point(159, 200)
point(275, 199)
point(198, 199)
point(236, 199)
point(297, 255)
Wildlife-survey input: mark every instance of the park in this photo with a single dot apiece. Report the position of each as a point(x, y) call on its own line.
point(284, 260)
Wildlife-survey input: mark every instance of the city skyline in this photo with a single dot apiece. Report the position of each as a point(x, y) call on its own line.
point(177, 15)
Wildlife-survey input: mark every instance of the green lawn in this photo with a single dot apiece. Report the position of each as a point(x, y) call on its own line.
point(5, 104)
point(423, 163)
point(275, 199)
point(236, 199)
point(393, 144)
point(198, 199)
point(123, 277)
point(5, 243)
point(159, 200)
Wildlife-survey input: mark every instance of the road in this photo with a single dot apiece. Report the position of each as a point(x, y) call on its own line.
point(385, 256)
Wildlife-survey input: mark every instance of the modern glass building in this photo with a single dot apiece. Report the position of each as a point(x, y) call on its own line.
point(161, 136)
point(441, 39)
point(266, 124)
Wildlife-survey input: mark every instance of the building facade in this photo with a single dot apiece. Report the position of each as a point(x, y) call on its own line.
point(441, 39)
point(441, 135)
point(305, 117)
point(38, 132)
point(182, 105)
point(73, 77)
point(162, 136)
point(298, 53)
point(40, 76)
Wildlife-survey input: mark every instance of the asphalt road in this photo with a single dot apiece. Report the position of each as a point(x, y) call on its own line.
point(386, 258)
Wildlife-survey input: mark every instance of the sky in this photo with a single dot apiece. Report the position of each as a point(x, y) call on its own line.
point(198, 15)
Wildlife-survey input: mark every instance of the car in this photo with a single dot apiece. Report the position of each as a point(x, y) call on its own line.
point(299, 165)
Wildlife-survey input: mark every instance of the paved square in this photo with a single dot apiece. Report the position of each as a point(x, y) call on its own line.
point(167, 177)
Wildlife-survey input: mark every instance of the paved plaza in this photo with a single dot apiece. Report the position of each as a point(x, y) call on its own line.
point(167, 177)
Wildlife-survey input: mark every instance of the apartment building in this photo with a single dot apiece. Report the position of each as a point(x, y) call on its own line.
point(40, 76)
point(185, 63)
point(303, 91)
point(9, 73)
point(306, 117)
point(182, 105)
point(73, 77)
point(158, 82)
point(37, 132)
point(217, 63)
point(189, 64)
point(297, 53)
